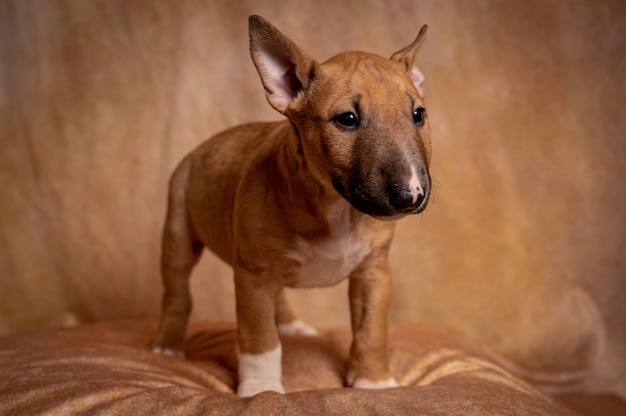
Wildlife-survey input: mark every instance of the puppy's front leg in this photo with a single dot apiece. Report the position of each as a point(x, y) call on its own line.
point(259, 349)
point(370, 287)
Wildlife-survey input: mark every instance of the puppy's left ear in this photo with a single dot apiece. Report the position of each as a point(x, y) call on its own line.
point(406, 57)
point(284, 68)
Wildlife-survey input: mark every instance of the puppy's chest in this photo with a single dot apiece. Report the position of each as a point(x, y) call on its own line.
point(331, 260)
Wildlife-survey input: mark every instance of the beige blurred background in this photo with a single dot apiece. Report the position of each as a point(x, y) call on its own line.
point(523, 246)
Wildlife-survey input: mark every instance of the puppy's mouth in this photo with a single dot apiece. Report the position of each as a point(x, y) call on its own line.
point(381, 204)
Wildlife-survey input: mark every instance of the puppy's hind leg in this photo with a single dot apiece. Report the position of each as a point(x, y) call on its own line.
point(180, 253)
point(286, 321)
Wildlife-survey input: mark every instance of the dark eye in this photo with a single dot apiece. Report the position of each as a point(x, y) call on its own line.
point(419, 115)
point(348, 119)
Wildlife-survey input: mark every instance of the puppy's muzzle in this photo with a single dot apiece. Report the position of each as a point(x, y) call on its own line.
point(390, 199)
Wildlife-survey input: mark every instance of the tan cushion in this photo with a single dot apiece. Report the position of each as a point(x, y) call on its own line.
point(108, 368)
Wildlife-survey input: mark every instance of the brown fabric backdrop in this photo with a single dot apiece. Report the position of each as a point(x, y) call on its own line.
point(524, 245)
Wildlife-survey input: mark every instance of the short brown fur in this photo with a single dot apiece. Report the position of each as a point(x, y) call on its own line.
point(268, 198)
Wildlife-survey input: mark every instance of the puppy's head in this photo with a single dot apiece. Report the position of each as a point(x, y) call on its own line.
point(360, 119)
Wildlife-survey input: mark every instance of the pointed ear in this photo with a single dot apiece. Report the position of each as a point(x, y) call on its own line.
point(284, 68)
point(406, 57)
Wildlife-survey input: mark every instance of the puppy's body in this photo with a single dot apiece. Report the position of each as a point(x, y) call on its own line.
point(299, 203)
point(264, 199)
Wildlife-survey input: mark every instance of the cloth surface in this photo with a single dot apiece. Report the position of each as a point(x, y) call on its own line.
point(108, 368)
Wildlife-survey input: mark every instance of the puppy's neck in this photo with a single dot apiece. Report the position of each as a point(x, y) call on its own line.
point(305, 192)
point(302, 183)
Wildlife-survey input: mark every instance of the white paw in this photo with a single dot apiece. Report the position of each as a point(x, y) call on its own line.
point(350, 377)
point(363, 383)
point(260, 372)
point(168, 351)
point(253, 387)
point(297, 327)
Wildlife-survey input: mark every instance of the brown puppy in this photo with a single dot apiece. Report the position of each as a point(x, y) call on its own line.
point(300, 203)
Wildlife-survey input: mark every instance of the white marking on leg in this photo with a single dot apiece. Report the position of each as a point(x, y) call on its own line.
point(380, 384)
point(297, 327)
point(168, 351)
point(415, 186)
point(260, 372)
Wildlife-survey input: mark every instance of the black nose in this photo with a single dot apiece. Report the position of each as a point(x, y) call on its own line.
point(401, 198)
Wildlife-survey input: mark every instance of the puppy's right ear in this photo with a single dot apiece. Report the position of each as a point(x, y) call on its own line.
point(284, 68)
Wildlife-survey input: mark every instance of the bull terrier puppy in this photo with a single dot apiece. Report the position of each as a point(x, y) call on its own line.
point(302, 203)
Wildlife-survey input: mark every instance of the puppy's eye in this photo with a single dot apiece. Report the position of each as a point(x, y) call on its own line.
point(419, 115)
point(348, 119)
